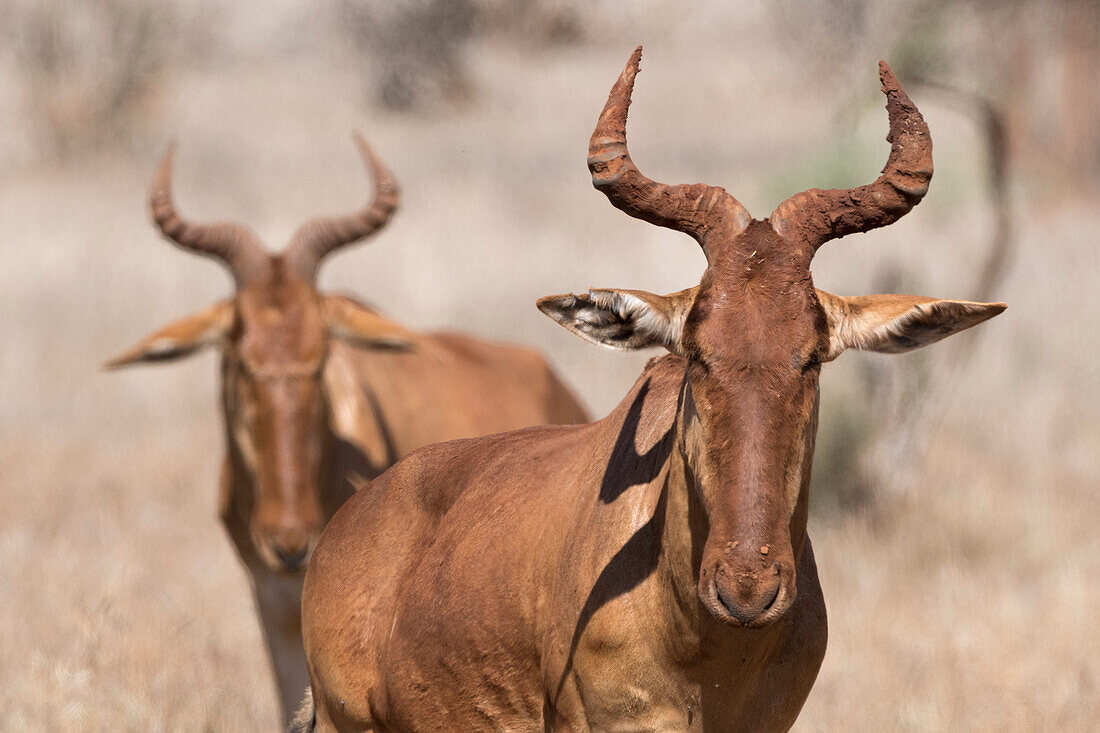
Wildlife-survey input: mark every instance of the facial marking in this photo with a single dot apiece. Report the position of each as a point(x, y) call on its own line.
point(754, 334)
point(275, 402)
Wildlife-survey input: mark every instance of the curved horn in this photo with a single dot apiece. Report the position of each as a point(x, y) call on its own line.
point(317, 238)
point(817, 216)
point(698, 209)
point(235, 245)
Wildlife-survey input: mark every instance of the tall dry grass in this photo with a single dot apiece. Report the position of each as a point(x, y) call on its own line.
point(962, 599)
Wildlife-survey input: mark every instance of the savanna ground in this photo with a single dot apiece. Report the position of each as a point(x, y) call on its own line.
point(955, 490)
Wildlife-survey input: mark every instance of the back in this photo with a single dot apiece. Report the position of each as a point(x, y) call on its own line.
point(391, 402)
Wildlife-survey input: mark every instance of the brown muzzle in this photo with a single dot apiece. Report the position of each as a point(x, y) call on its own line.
point(751, 586)
point(286, 547)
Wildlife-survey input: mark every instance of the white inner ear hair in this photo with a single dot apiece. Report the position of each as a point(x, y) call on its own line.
point(867, 330)
point(636, 323)
point(892, 336)
point(921, 325)
point(166, 347)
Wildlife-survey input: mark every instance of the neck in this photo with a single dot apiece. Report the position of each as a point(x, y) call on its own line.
point(237, 504)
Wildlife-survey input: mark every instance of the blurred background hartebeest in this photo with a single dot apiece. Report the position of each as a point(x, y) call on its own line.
point(321, 393)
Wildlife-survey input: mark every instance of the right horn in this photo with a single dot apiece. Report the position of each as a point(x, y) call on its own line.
point(705, 212)
point(816, 216)
point(235, 245)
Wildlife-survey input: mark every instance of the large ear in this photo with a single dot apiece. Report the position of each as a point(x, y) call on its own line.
point(357, 323)
point(894, 324)
point(180, 338)
point(623, 319)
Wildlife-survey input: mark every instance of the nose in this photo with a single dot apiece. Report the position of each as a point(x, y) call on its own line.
point(292, 559)
point(748, 596)
point(291, 547)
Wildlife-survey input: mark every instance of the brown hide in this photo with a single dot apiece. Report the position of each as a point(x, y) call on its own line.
point(543, 580)
point(383, 404)
point(320, 394)
point(650, 571)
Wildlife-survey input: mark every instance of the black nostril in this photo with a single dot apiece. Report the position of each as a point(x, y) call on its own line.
point(755, 602)
point(293, 560)
point(771, 595)
point(729, 604)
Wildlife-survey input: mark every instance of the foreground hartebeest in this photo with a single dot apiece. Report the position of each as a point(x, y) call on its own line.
point(318, 390)
point(650, 571)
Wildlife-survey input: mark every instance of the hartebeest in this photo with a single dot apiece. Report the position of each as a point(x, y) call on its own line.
point(320, 391)
point(649, 571)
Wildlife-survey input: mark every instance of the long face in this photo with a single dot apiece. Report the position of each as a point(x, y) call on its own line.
point(276, 412)
point(275, 334)
point(755, 337)
point(754, 334)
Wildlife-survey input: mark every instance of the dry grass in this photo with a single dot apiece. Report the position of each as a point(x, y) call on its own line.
point(964, 601)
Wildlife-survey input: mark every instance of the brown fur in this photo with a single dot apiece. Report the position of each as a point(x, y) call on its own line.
point(538, 580)
point(320, 393)
point(649, 571)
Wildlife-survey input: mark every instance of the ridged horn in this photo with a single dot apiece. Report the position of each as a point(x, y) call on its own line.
point(816, 216)
point(235, 245)
point(317, 238)
point(707, 213)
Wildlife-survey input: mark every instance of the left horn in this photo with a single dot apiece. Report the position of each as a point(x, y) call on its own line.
point(816, 216)
point(317, 238)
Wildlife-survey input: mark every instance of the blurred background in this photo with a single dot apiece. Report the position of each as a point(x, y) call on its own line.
point(955, 489)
